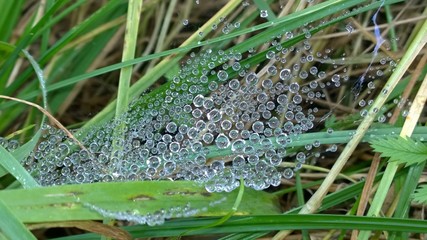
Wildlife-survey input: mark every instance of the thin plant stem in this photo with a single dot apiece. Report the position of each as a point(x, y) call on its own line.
point(392, 32)
point(47, 114)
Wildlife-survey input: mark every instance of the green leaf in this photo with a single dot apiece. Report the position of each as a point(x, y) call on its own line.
point(78, 202)
point(420, 194)
point(403, 151)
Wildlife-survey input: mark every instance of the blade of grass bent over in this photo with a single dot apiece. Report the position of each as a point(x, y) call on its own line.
point(315, 201)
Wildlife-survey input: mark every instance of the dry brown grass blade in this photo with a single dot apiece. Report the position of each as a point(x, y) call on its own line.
point(51, 118)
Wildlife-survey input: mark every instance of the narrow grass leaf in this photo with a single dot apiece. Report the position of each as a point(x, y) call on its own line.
point(412, 177)
point(11, 12)
point(239, 224)
point(9, 162)
point(25, 40)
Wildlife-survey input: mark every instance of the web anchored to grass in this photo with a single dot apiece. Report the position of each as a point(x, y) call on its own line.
point(250, 105)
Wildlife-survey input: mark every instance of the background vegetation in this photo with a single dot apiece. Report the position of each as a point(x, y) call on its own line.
point(80, 63)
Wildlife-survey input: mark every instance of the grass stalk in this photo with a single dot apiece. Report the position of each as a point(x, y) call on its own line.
point(392, 32)
point(131, 34)
point(301, 200)
point(165, 26)
point(228, 215)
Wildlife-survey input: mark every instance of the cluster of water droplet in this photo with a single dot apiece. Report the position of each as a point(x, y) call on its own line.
point(9, 144)
point(151, 219)
point(218, 121)
point(177, 135)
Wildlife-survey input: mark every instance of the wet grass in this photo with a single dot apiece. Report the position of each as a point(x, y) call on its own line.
point(87, 60)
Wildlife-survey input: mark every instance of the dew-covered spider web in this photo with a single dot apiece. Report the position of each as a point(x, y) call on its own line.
point(224, 116)
point(228, 115)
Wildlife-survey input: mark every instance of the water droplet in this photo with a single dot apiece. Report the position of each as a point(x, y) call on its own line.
point(263, 14)
point(251, 79)
point(270, 55)
point(222, 141)
point(238, 162)
point(294, 87)
point(349, 28)
point(222, 75)
point(285, 74)
point(335, 78)
point(288, 173)
point(332, 148)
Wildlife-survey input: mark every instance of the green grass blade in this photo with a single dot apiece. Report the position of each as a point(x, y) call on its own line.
point(333, 199)
point(10, 226)
point(264, 6)
point(11, 11)
point(65, 202)
point(14, 167)
point(49, 22)
point(25, 40)
point(131, 34)
point(272, 223)
point(412, 177)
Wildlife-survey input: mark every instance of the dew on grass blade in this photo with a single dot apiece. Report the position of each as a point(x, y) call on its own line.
point(263, 14)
